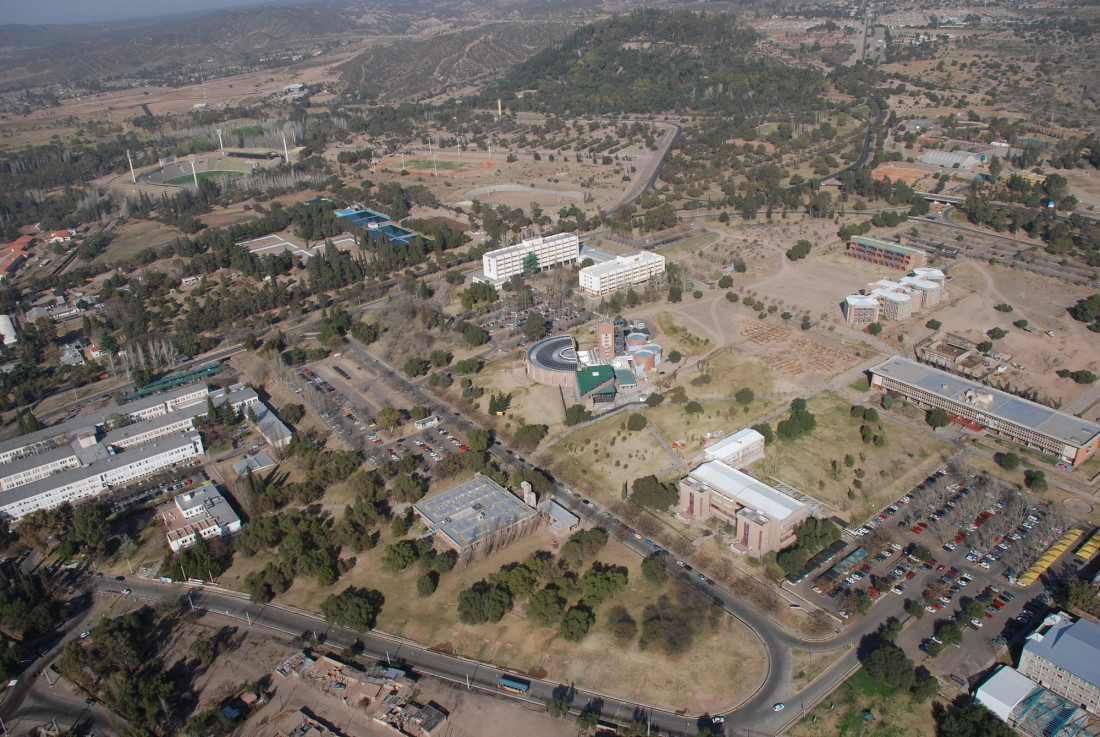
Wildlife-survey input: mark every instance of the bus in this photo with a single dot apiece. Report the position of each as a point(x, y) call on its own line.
point(513, 685)
point(426, 422)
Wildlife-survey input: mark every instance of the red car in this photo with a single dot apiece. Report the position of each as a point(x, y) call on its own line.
point(941, 568)
point(463, 447)
point(999, 604)
point(918, 529)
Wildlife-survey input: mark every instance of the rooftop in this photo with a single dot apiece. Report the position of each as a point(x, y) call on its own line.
point(994, 403)
point(885, 245)
point(473, 511)
point(115, 460)
point(861, 300)
point(746, 490)
point(530, 244)
point(1004, 690)
point(1072, 646)
point(726, 447)
point(610, 267)
point(91, 419)
point(593, 377)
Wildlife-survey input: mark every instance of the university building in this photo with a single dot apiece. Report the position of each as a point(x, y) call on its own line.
point(884, 253)
point(1068, 438)
point(624, 271)
point(1064, 656)
point(502, 264)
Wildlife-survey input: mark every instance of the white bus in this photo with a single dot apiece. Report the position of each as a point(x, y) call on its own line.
point(426, 422)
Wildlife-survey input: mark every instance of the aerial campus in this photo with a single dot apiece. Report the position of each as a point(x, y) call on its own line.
point(567, 369)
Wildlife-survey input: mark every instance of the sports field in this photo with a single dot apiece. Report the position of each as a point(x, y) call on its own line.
point(188, 179)
point(446, 166)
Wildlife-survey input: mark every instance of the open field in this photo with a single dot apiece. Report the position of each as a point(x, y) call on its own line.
point(678, 249)
point(841, 714)
point(135, 236)
point(188, 179)
point(730, 372)
point(677, 426)
point(600, 456)
point(596, 662)
point(445, 165)
point(907, 456)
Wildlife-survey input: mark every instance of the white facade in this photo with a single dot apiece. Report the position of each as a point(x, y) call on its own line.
point(7, 330)
point(504, 263)
point(611, 276)
point(78, 483)
point(739, 450)
point(201, 512)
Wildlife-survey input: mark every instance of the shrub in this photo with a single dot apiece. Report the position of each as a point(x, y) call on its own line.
point(933, 324)
point(874, 328)
point(1003, 307)
point(799, 250)
point(725, 282)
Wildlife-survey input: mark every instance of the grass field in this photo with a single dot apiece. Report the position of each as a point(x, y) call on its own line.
point(218, 174)
point(677, 426)
point(730, 372)
point(135, 236)
point(597, 661)
point(426, 165)
point(599, 457)
point(841, 714)
point(805, 463)
point(691, 244)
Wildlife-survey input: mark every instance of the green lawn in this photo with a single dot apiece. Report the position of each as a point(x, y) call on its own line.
point(841, 714)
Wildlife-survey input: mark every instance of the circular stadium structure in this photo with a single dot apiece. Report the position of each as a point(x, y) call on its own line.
point(553, 361)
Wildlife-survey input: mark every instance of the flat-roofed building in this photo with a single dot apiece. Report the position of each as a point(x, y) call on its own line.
point(739, 450)
point(884, 253)
point(1063, 655)
point(552, 250)
point(1003, 691)
point(624, 271)
point(763, 518)
point(201, 512)
point(113, 470)
point(1068, 438)
point(479, 514)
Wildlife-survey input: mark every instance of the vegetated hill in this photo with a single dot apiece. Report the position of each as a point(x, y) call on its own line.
point(407, 69)
point(217, 41)
point(657, 61)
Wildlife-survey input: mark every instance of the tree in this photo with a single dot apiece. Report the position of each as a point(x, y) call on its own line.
point(950, 633)
point(546, 607)
point(745, 396)
point(799, 251)
point(531, 264)
point(389, 418)
point(355, 608)
point(90, 527)
point(527, 437)
point(693, 408)
point(938, 418)
point(534, 327)
point(933, 324)
point(557, 708)
point(636, 422)
point(483, 603)
point(1009, 461)
point(475, 336)
point(649, 492)
point(416, 367)
point(577, 414)
point(925, 686)
point(1003, 307)
point(440, 358)
point(985, 346)
point(478, 440)
point(914, 609)
point(889, 663)
point(498, 403)
point(576, 623)
point(675, 294)
point(874, 328)
point(1036, 481)
point(996, 333)
point(725, 282)
point(653, 568)
point(674, 356)
point(425, 585)
point(654, 400)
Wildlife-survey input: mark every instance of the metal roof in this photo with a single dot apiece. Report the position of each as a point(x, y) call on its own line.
point(992, 402)
point(1004, 690)
point(593, 377)
point(472, 511)
point(1072, 646)
point(747, 490)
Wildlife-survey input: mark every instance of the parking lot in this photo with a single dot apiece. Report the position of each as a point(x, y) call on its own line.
point(951, 548)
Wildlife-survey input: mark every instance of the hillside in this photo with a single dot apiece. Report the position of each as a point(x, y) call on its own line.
point(407, 68)
point(655, 61)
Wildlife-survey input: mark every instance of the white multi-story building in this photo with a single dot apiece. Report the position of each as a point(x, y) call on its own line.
point(95, 478)
point(201, 512)
point(740, 450)
point(624, 271)
point(552, 250)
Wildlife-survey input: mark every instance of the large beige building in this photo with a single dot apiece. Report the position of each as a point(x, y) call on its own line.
point(763, 518)
point(887, 299)
point(551, 250)
point(624, 271)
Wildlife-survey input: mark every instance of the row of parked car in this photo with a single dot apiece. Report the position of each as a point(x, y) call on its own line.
point(897, 506)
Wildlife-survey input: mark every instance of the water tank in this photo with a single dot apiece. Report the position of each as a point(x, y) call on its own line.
point(635, 339)
point(646, 359)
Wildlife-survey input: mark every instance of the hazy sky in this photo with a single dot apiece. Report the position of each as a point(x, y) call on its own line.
point(85, 11)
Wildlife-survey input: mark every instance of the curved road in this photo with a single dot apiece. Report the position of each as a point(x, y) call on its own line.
point(755, 713)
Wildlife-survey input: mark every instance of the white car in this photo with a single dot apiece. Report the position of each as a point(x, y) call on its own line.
point(778, 707)
point(718, 720)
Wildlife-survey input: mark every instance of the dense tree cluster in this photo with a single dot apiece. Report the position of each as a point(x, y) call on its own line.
point(811, 536)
